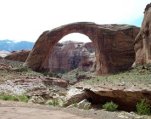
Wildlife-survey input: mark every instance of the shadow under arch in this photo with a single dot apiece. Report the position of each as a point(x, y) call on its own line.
point(103, 38)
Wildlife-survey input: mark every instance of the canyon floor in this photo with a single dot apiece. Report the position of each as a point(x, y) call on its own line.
point(137, 78)
point(19, 110)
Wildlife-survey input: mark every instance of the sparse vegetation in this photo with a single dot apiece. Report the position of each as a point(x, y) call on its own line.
point(51, 74)
point(21, 98)
point(72, 76)
point(110, 106)
point(137, 76)
point(22, 69)
point(143, 108)
point(53, 102)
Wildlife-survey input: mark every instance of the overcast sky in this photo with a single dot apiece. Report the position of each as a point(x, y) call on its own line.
point(27, 19)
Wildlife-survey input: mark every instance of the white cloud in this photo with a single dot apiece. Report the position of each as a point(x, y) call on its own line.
point(27, 19)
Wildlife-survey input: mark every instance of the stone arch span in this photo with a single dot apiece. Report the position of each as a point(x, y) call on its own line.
point(113, 45)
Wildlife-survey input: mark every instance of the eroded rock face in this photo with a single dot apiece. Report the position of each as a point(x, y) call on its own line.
point(71, 55)
point(18, 55)
point(143, 40)
point(113, 45)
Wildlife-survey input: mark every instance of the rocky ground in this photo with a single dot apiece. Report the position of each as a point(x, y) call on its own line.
point(79, 93)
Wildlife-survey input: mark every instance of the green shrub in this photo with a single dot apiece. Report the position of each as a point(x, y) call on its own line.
point(22, 69)
point(7, 97)
point(22, 98)
point(143, 108)
point(53, 102)
point(110, 106)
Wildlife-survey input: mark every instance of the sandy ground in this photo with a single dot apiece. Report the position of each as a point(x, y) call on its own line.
point(34, 113)
point(18, 110)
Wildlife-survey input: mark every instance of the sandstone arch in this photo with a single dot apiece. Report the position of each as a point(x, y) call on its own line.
point(113, 43)
point(143, 40)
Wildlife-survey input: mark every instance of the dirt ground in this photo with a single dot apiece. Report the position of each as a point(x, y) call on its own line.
point(34, 113)
point(19, 110)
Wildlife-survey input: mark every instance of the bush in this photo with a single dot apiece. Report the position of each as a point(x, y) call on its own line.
point(53, 102)
point(143, 108)
point(110, 106)
point(8, 97)
point(21, 98)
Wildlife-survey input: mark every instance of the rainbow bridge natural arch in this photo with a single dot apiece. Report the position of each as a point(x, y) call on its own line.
point(113, 44)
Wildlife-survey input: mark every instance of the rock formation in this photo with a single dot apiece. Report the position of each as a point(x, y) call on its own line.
point(70, 55)
point(126, 98)
point(18, 55)
point(143, 40)
point(113, 45)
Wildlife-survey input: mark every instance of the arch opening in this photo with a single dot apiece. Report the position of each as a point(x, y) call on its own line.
point(72, 51)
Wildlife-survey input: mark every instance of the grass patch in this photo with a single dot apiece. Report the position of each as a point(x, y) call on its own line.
point(134, 76)
point(143, 108)
point(110, 106)
point(21, 98)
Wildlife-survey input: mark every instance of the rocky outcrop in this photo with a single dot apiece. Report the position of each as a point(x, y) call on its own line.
point(143, 40)
point(34, 86)
point(18, 55)
point(113, 45)
point(126, 98)
point(71, 55)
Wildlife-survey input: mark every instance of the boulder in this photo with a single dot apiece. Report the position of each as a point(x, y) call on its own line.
point(143, 40)
point(18, 55)
point(113, 45)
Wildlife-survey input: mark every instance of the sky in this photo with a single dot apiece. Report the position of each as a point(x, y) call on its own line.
point(27, 19)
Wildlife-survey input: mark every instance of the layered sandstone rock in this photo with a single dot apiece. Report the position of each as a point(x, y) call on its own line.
point(143, 40)
point(113, 45)
point(126, 98)
point(70, 55)
point(18, 55)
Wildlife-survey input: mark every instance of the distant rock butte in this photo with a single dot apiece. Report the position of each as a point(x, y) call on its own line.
point(143, 40)
point(18, 55)
point(113, 45)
